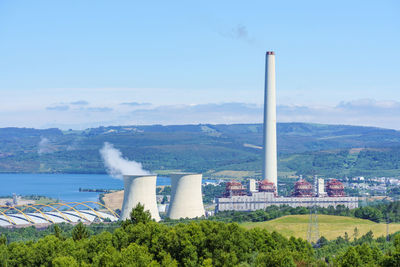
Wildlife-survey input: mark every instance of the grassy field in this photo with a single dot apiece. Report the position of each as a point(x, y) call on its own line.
point(329, 226)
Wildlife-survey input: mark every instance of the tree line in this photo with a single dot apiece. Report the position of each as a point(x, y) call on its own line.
point(139, 241)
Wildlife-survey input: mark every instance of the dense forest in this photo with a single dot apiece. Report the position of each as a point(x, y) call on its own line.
point(326, 150)
point(139, 241)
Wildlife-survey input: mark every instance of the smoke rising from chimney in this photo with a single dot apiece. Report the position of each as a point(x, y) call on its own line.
point(117, 166)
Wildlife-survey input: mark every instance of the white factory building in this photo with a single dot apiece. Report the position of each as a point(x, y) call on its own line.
point(261, 200)
point(46, 218)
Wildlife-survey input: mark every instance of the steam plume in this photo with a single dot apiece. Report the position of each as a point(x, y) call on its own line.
point(45, 146)
point(116, 165)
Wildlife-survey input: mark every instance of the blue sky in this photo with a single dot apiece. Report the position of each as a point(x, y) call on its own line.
point(73, 64)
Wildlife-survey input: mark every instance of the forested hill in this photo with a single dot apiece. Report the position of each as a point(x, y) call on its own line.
point(302, 147)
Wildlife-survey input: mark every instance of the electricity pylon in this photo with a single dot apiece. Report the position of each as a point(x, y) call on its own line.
point(313, 231)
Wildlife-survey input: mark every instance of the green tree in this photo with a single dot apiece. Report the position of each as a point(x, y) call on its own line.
point(350, 258)
point(3, 255)
point(64, 261)
point(397, 242)
point(355, 234)
point(139, 215)
point(135, 255)
point(275, 258)
point(346, 237)
point(3, 240)
point(58, 232)
point(80, 232)
point(322, 241)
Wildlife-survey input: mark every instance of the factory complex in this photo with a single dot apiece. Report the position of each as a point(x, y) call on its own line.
point(186, 198)
point(186, 195)
point(264, 193)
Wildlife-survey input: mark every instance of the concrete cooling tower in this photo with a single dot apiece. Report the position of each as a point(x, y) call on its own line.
point(140, 188)
point(186, 196)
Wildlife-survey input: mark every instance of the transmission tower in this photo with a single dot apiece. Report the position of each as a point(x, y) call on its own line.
point(387, 212)
point(313, 231)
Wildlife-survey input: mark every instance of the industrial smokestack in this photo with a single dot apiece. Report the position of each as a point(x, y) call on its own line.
point(270, 157)
point(140, 189)
point(186, 196)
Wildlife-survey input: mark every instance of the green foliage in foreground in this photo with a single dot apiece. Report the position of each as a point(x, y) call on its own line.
point(203, 243)
point(142, 242)
point(139, 215)
point(363, 251)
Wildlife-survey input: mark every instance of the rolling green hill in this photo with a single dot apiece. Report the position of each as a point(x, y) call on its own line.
point(216, 150)
point(330, 226)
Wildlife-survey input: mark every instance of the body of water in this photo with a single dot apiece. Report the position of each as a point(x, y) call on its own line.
point(64, 187)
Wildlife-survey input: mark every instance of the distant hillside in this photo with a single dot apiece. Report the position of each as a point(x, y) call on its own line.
point(303, 148)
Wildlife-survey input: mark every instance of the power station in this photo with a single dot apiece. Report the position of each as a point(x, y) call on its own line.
point(186, 191)
point(186, 196)
point(140, 189)
point(270, 172)
point(236, 196)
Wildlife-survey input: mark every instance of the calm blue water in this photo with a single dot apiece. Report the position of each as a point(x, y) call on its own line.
point(64, 187)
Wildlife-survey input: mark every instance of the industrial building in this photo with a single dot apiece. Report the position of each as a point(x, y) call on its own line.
point(237, 199)
point(186, 196)
point(261, 200)
point(302, 188)
point(42, 215)
point(236, 196)
point(140, 189)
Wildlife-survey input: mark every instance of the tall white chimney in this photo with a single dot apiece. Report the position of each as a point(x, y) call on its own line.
point(270, 157)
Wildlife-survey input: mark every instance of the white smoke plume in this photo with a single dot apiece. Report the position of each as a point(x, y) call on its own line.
point(117, 166)
point(45, 146)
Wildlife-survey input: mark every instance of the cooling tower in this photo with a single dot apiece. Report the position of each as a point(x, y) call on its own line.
point(270, 158)
point(140, 188)
point(186, 197)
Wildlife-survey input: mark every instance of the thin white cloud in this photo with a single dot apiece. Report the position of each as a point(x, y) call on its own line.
point(136, 104)
point(366, 112)
point(99, 109)
point(80, 103)
point(58, 108)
